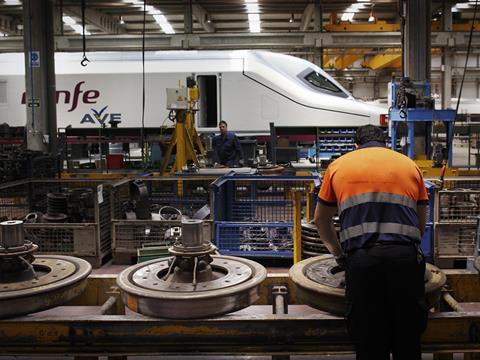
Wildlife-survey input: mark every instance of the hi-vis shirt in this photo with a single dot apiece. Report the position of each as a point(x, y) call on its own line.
point(377, 191)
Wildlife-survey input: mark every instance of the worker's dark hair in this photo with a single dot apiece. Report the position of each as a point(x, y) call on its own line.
point(367, 133)
point(223, 122)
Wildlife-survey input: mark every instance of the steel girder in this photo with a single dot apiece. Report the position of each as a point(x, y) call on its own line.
point(218, 41)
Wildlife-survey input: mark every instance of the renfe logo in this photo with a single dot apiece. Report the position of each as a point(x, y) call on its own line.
point(88, 97)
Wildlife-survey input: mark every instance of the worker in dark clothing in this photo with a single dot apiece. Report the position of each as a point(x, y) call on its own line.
point(226, 146)
point(381, 200)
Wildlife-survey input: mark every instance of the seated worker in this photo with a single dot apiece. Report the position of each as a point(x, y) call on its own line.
point(226, 147)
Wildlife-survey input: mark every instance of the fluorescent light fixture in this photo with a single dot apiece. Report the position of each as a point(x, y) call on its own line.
point(12, 2)
point(252, 8)
point(152, 10)
point(67, 20)
point(157, 15)
point(355, 8)
point(79, 29)
point(253, 15)
point(254, 27)
point(164, 24)
point(348, 16)
point(463, 6)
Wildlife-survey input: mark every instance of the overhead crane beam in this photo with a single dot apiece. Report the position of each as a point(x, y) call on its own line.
point(382, 26)
point(329, 58)
point(379, 26)
point(387, 59)
point(104, 22)
point(218, 41)
point(346, 60)
point(203, 18)
point(390, 58)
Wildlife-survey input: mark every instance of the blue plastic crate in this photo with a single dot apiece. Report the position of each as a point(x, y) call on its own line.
point(431, 189)
point(254, 239)
point(427, 242)
point(258, 199)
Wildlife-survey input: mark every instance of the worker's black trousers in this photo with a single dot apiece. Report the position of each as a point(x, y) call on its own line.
point(386, 307)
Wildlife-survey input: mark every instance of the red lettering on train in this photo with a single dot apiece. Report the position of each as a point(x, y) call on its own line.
point(88, 96)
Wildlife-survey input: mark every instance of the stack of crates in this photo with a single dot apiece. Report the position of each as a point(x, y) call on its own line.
point(253, 215)
point(456, 213)
point(186, 193)
point(88, 240)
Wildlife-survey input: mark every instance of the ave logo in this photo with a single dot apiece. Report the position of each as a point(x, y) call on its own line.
point(101, 116)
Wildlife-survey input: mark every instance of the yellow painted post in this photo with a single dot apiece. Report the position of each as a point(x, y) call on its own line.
point(181, 155)
point(180, 188)
point(297, 226)
point(309, 199)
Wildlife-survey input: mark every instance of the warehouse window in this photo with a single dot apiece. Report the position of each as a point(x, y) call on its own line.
point(3, 92)
point(208, 112)
point(319, 82)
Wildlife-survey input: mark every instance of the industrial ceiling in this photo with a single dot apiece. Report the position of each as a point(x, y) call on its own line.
point(107, 17)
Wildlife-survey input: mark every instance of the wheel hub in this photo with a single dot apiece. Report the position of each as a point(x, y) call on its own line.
point(321, 284)
point(192, 283)
point(28, 283)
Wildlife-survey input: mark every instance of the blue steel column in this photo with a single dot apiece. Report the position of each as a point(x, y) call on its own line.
point(40, 97)
point(411, 139)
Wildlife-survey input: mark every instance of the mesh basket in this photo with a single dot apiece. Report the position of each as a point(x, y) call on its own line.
point(455, 240)
point(90, 240)
point(458, 206)
point(188, 194)
point(254, 239)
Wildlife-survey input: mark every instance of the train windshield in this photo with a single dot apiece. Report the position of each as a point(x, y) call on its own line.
point(319, 82)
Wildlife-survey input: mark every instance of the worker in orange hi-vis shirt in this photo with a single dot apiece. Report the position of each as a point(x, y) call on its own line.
point(381, 199)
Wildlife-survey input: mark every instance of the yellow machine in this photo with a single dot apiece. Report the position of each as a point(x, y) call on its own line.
point(183, 104)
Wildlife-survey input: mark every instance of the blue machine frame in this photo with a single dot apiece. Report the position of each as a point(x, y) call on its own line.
point(413, 115)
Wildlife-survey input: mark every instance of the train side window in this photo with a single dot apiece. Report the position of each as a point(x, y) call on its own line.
point(319, 82)
point(207, 114)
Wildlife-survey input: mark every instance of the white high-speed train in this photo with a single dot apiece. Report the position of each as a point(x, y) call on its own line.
point(248, 89)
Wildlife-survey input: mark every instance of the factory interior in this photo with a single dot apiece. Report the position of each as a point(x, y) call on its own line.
point(126, 233)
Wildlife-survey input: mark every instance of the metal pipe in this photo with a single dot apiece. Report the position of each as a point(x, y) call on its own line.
point(280, 303)
point(280, 307)
point(454, 305)
point(192, 233)
point(297, 226)
point(12, 234)
point(108, 307)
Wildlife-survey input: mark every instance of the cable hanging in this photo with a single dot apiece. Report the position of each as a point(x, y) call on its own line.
point(84, 40)
point(142, 129)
